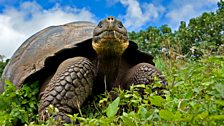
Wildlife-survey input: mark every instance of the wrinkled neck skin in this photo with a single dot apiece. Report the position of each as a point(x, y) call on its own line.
point(107, 69)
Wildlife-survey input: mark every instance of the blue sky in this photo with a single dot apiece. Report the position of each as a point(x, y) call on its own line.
point(19, 19)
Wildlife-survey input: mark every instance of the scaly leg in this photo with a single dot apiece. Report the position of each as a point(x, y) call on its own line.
point(143, 73)
point(69, 87)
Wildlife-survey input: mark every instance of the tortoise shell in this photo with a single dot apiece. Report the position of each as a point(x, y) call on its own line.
point(40, 55)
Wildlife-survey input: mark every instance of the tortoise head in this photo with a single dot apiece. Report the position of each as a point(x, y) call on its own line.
point(110, 38)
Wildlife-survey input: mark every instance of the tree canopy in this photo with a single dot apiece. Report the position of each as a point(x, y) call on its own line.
point(203, 35)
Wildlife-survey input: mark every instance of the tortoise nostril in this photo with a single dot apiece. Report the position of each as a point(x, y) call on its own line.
point(110, 19)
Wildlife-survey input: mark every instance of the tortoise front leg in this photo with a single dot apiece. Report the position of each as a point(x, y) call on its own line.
point(142, 73)
point(69, 87)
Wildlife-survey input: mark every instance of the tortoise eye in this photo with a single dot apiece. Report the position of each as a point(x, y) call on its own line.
point(100, 25)
point(120, 25)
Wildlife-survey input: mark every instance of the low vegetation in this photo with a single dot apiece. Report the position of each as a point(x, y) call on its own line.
point(195, 96)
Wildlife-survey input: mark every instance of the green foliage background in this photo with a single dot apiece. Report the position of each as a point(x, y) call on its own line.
point(202, 36)
point(192, 60)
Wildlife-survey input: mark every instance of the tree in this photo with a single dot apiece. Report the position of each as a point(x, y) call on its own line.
point(203, 36)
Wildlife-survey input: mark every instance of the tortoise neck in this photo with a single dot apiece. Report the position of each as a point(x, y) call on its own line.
point(108, 70)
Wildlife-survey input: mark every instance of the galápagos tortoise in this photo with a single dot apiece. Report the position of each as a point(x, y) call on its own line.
point(79, 59)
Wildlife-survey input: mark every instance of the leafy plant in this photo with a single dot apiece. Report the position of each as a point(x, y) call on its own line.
point(18, 106)
point(194, 96)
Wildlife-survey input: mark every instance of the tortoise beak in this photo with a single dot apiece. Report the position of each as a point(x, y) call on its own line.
point(110, 24)
point(110, 36)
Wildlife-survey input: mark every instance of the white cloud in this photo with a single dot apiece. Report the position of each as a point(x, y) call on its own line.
point(137, 15)
point(181, 14)
point(111, 2)
point(17, 24)
point(186, 9)
point(213, 1)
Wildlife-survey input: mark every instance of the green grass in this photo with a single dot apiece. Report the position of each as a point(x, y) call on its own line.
point(194, 96)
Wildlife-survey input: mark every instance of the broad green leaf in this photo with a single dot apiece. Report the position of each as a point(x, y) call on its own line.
point(201, 116)
point(113, 108)
point(157, 100)
point(142, 112)
point(139, 86)
point(220, 89)
point(127, 121)
point(220, 102)
point(167, 115)
point(177, 116)
point(216, 117)
point(189, 94)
